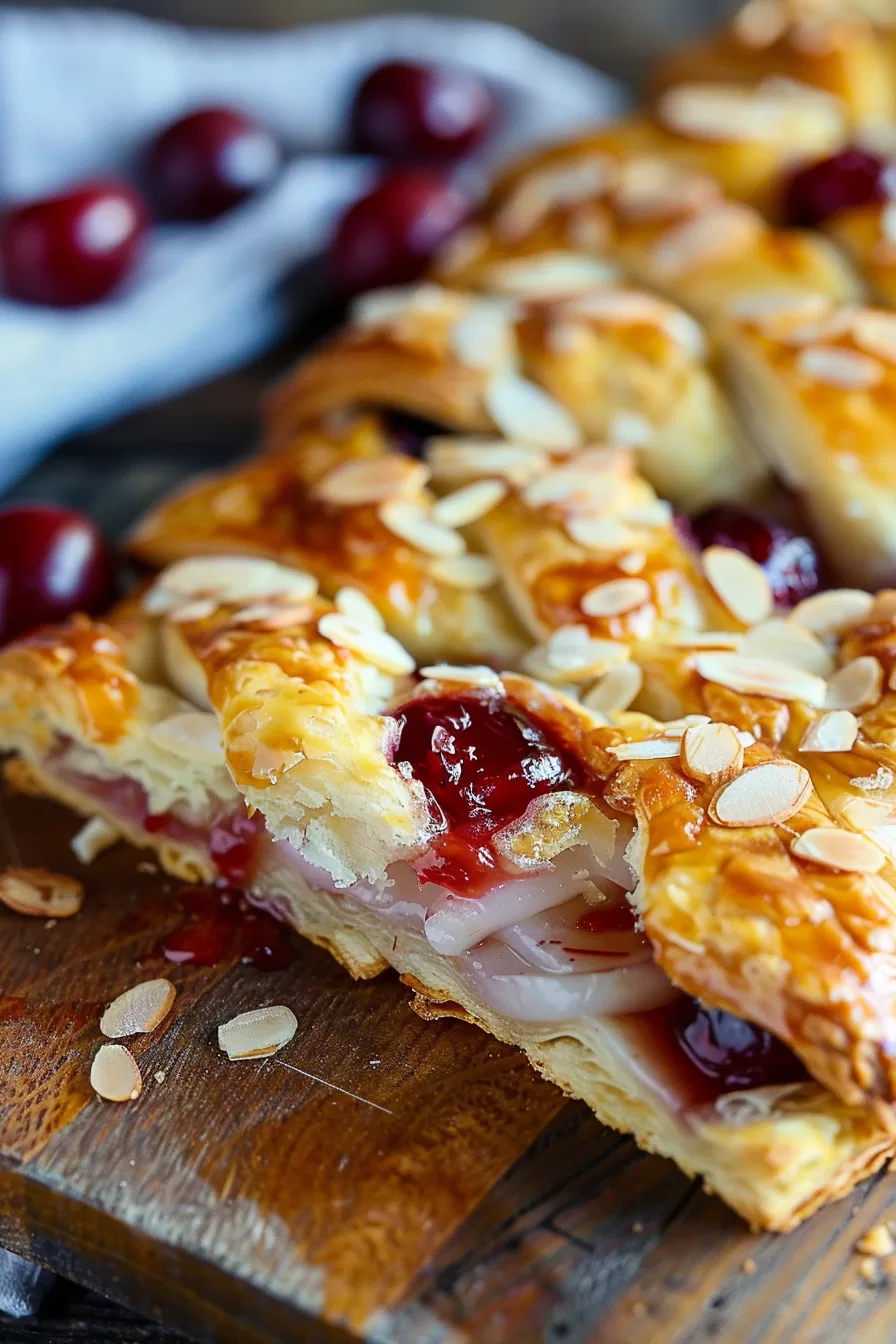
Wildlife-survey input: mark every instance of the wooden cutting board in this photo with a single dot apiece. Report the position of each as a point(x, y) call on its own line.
point(382, 1177)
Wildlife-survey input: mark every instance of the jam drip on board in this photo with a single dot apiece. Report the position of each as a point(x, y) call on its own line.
point(220, 922)
point(481, 764)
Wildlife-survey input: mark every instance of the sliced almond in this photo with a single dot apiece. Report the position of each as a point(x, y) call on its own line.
point(763, 795)
point(657, 513)
point(739, 583)
point(469, 503)
point(548, 275)
point(616, 690)
point(605, 535)
point(833, 612)
point(761, 676)
point(652, 748)
point(371, 480)
point(268, 615)
point(34, 891)
point(632, 562)
point(630, 429)
point(139, 1009)
point(194, 735)
point(843, 850)
point(616, 597)
point(857, 685)
point(760, 23)
point(472, 674)
point(357, 606)
point(455, 461)
point(772, 309)
point(883, 612)
point(706, 639)
point(95, 836)
point(256, 1034)
point(115, 1075)
point(839, 368)
point(572, 654)
point(875, 332)
point(462, 249)
point(784, 642)
point(711, 752)
point(376, 646)
point(419, 529)
point(522, 410)
point(862, 813)
point(484, 337)
point(836, 730)
point(721, 232)
point(678, 727)
point(226, 579)
point(471, 572)
point(382, 306)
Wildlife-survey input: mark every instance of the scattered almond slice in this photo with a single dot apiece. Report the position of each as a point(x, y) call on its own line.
point(761, 676)
point(837, 367)
point(457, 460)
point(572, 654)
point(34, 891)
point(632, 563)
point(371, 480)
point(861, 813)
point(832, 612)
point(836, 730)
point(763, 795)
point(95, 836)
point(139, 1009)
point(261, 1032)
point(354, 604)
point(616, 690)
point(471, 572)
point(600, 534)
point(420, 529)
point(711, 752)
point(784, 642)
point(472, 674)
point(652, 748)
point(469, 503)
point(616, 597)
point(522, 410)
point(739, 583)
point(856, 686)
point(729, 640)
point(843, 850)
point(379, 648)
point(678, 727)
point(115, 1074)
point(877, 1241)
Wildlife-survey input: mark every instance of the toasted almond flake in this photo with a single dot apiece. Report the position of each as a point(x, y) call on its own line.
point(763, 795)
point(832, 612)
point(843, 850)
point(760, 23)
point(549, 275)
point(139, 1009)
point(473, 674)
point(35, 891)
point(615, 597)
point(272, 615)
point(571, 487)
point(378, 647)
point(484, 337)
point(739, 583)
point(721, 112)
point(857, 686)
point(678, 727)
point(632, 563)
point(115, 1074)
point(652, 748)
point(877, 1242)
point(226, 578)
point(193, 735)
point(706, 639)
point(630, 429)
point(471, 572)
point(835, 730)
point(607, 535)
point(652, 188)
point(354, 604)
point(371, 480)
point(746, 738)
point(658, 513)
point(616, 690)
point(567, 184)
point(380, 307)
point(772, 309)
point(721, 232)
point(862, 813)
point(875, 332)
point(783, 642)
point(469, 503)
point(711, 752)
point(571, 654)
point(521, 410)
point(95, 836)
point(462, 249)
point(883, 611)
point(259, 1033)
point(193, 611)
point(761, 676)
point(413, 525)
point(839, 368)
point(456, 461)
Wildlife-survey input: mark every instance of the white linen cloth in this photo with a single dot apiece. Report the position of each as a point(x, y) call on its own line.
point(83, 90)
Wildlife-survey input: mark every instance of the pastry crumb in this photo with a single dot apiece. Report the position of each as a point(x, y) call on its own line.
point(870, 1270)
point(877, 1241)
point(639, 1308)
point(159, 1075)
point(749, 1265)
point(637, 1227)
point(50, 923)
point(853, 1293)
point(147, 866)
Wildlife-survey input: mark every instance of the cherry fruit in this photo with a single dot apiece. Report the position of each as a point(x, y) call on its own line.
point(209, 161)
point(850, 178)
point(790, 561)
point(730, 1051)
point(72, 249)
point(421, 113)
point(52, 562)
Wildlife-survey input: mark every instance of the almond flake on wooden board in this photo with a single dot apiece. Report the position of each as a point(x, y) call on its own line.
point(616, 597)
point(35, 891)
point(763, 795)
point(139, 1009)
point(469, 503)
point(115, 1074)
point(832, 612)
point(616, 689)
point(379, 648)
point(739, 583)
point(258, 1033)
point(843, 850)
point(711, 752)
point(761, 676)
point(835, 730)
point(94, 837)
point(522, 410)
point(857, 685)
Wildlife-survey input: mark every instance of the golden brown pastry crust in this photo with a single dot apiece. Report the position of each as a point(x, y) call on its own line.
point(867, 235)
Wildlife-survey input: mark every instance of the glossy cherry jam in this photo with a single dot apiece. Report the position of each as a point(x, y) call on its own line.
point(52, 562)
point(209, 161)
point(409, 434)
point(790, 561)
point(850, 178)
point(481, 764)
point(231, 839)
point(74, 248)
point(421, 113)
point(218, 922)
point(731, 1052)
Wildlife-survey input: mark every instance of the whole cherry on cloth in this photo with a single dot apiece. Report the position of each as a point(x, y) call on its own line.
point(790, 561)
point(849, 178)
point(74, 248)
point(416, 113)
point(52, 562)
point(388, 236)
point(732, 1052)
point(209, 161)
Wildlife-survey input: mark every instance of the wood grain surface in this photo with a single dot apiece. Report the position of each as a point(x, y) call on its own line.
point(422, 1187)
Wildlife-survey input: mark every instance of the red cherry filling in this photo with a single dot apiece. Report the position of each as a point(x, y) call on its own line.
point(209, 161)
point(231, 839)
point(422, 113)
point(733, 1053)
point(481, 764)
point(52, 562)
point(408, 434)
point(790, 561)
point(219, 923)
point(851, 177)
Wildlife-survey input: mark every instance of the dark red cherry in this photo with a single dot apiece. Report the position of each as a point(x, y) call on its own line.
point(421, 113)
point(209, 161)
point(732, 1052)
point(52, 562)
point(852, 177)
point(72, 249)
point(408, 434)
point(790, 561)
point(389, 235)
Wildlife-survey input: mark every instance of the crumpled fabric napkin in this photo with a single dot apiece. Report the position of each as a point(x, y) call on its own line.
point(82, 92)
